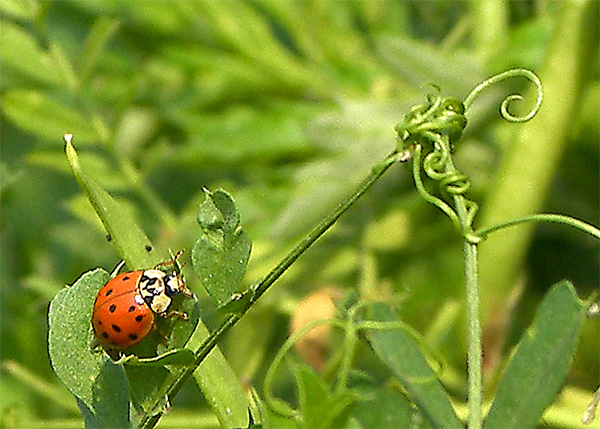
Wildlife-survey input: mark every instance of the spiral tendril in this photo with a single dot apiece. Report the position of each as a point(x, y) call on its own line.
point(529, 75)
point(441, 116)
point(429, 131)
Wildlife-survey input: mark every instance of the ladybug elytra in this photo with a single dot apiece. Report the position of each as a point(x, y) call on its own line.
point(125, 307)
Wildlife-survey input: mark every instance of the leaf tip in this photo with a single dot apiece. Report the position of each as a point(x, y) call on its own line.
point(68, 138)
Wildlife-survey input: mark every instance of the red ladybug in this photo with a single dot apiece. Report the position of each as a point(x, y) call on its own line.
point(124, 309)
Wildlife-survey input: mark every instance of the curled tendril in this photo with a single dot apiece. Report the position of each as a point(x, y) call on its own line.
point(440, 116)
point(532, 77)
point(428, 133)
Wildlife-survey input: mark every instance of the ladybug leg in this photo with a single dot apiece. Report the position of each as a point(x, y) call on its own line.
point(171, 261)
point(186, 292)
point(113, 354)
point(182, 316)
point(94, 344)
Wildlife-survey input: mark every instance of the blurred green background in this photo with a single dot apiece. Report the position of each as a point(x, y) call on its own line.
point(286, 105)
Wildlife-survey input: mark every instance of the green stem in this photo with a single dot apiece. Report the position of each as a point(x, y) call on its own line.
point(324, 225)
point(474, 370)
point(349, 345)
point(177, 380)
point(474, 347)
point(543, 217)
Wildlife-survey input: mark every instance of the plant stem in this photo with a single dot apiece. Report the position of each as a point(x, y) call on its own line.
point(474, 369)
point(544, 217)
point(324, 225)
point(177, 380)
point(474, 360)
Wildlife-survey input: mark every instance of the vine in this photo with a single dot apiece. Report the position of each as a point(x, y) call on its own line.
point(427, 135)
point(429, 132)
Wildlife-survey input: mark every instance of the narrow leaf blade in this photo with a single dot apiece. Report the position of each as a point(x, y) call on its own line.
point(399, 351)
point(541, 361)
point(131, 242)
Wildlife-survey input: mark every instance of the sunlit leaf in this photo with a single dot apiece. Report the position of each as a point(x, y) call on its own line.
point(221, 253)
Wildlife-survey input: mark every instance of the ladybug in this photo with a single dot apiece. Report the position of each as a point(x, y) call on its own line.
point(125, 307)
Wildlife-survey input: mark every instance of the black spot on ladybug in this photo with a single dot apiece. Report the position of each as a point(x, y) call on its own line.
point(133, 337)
point(131, 309)
point(112, 308)
point(125, 278)
point(108, 292)
point(139, 318)
point(116, 328)
point(148, 248)
point(104, 335)
point(99, 322)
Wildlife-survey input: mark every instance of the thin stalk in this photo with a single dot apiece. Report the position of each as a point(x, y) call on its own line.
point(474, 370)
point(177, 380)
point(543, 217)
point(474, 347)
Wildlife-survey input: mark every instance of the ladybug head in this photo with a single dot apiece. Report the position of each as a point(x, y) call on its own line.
point(175, 284)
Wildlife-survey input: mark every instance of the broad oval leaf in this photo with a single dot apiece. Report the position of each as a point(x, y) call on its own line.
point(221, 253)
point(99, 385)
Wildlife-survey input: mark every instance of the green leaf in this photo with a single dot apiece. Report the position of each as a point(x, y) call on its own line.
point(99, 385)
point(222, 251)
point(22, 52)
point(541, 361)
point(145, 368)
point(320, 408)
point(383, 407)
point(96, 41)
point(220, 385)
point(126, 235)
point(39, 113)
point(399, 351)
point(24, 10)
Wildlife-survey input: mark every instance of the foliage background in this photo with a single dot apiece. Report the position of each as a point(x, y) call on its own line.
point(286, 105)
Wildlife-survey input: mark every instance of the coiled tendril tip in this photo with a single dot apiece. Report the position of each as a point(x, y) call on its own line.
point(529, 75)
